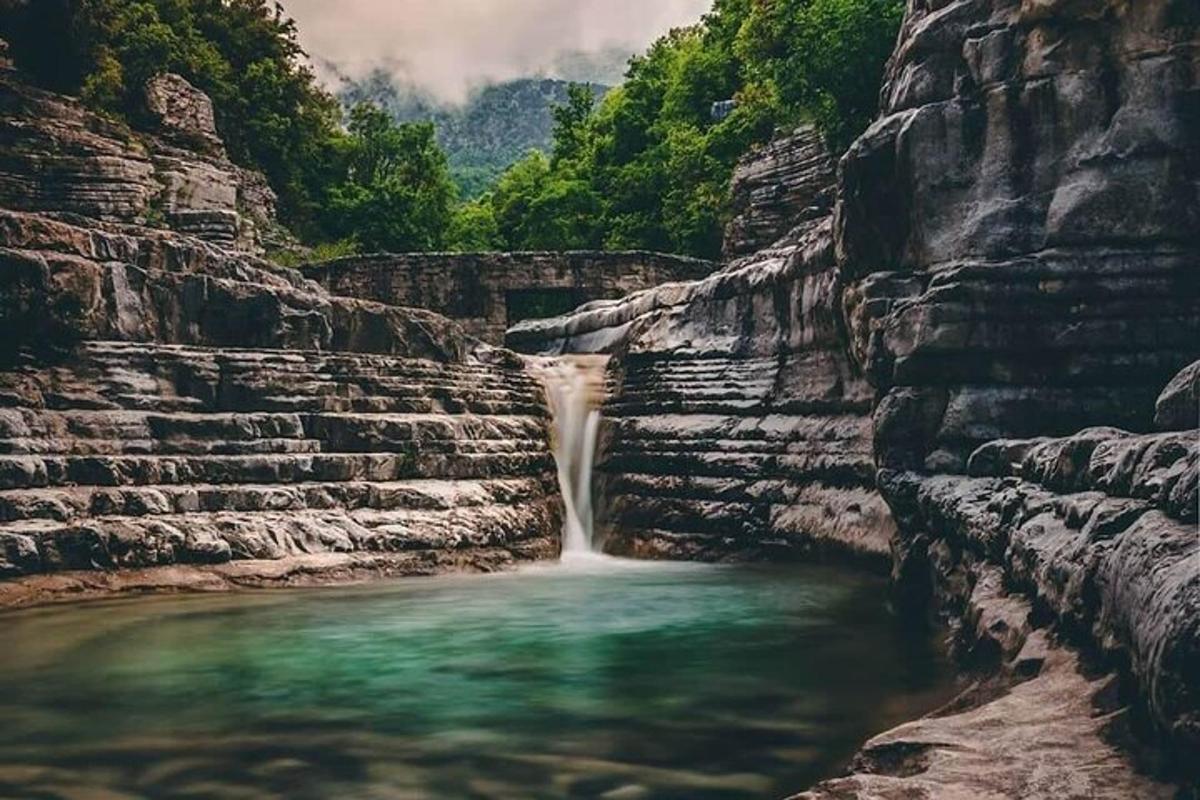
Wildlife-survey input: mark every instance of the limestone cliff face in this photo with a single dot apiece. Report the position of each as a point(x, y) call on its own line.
point(1018, 232)
point(56, 156)
point(1018, 236)
point(1008, 282)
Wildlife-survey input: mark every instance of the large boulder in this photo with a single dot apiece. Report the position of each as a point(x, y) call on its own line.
point(183, 113)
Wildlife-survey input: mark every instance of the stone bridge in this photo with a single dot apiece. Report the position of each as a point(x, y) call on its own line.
point(488, 292)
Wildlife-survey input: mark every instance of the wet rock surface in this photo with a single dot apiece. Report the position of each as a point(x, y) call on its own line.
point(1043, 728)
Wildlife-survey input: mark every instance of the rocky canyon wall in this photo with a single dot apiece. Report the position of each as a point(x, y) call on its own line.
point(1018, 238)
point(177, 414)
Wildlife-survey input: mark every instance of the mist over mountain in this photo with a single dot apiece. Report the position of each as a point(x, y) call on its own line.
point(497, 125)
point(450, 47)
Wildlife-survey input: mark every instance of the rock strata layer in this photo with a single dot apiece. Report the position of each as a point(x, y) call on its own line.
point(788, 181)
point(201, 408)
point(1019, 231)
point(56, 156)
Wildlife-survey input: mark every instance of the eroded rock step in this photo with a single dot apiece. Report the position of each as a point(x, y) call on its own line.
point(266, 455)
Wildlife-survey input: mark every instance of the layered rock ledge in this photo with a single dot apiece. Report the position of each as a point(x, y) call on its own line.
point(57, 156)
point(1017, 237)
point(167, 402)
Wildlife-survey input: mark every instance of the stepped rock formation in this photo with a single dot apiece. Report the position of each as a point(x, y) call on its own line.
point(174, 414)
point(736, 425)
point(56, 156)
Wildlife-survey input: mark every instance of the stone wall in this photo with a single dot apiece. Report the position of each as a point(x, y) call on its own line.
point(488, 292)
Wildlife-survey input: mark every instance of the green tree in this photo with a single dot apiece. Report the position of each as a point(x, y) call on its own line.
point(395, 191)
point(825, 56)
point(474, 229)
point(571, 134)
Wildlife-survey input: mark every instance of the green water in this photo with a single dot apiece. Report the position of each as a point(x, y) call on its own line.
point(614, 680)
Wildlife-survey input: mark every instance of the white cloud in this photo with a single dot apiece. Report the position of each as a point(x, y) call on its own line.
point(448, 46)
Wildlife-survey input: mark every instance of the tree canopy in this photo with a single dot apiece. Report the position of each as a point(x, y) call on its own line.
point(649, 165)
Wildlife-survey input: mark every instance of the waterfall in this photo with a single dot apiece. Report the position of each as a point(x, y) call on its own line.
point(575, 389)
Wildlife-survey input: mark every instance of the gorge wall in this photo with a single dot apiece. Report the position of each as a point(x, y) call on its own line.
point(177, 414)
point(979, 336)
point(1018, 239)
point(488, 292)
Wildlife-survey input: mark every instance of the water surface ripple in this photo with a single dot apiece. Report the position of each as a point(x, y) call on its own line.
point(597, 679)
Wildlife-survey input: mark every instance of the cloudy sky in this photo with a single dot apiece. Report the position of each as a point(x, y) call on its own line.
point(448, 46)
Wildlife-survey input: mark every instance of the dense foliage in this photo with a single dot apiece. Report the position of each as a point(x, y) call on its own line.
point(334, 182)
point(649, 165)
point(645, 166)
point(497, 125)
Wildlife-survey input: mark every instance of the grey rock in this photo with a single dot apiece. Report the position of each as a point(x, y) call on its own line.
point(1039, 263)
point(786, 183)
point(202, 408)
point(56, 156)
point(183, 113)
point(1178, 407)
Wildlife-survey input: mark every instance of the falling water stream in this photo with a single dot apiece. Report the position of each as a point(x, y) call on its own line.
point(575, 388)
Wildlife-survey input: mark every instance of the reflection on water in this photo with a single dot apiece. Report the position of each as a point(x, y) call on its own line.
point(599, 679)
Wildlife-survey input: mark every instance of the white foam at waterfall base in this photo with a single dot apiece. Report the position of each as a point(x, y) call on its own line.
point(574, 387)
